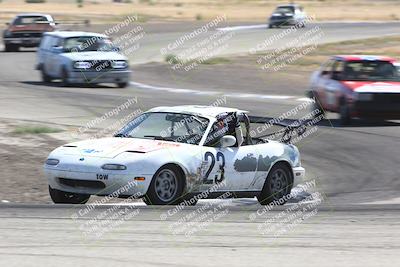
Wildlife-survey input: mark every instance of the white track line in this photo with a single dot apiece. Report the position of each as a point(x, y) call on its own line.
point(208, 92)
point(264, 26)
point(244, 27)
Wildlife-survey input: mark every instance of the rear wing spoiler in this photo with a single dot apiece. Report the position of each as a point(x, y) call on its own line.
point(275, 121)
point(291, 127)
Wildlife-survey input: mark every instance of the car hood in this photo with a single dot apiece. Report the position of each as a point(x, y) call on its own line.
point(94, 55)
point(373, 87)
point(112, 147)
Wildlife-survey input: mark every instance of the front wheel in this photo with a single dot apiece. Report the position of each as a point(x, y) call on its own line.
point(317, 109)
point(277, 185)
point(344, 113)
point(8, 47)
point(61, 197)
point(166, 187)
point(45, 77)
point(11, 48)
point(65, 78)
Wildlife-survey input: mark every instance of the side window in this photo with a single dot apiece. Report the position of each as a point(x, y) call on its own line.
point(218, 130)
point(59, 42)
point(45, 42)
point(52, 42)
point(225, 125)
point(326, 69)
point(338, 70)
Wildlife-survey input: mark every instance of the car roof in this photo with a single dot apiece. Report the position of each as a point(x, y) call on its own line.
point(364, 57)
point(289, 5)
point(198, 110)
point(47, 16)
point(33, 15)
point(67, 34)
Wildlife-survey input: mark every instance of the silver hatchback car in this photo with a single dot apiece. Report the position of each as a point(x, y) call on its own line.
point(81, 58)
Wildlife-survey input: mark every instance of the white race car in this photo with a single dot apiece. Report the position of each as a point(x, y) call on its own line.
point(168, 155)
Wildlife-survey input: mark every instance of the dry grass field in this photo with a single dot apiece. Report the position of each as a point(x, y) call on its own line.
point(105, 11)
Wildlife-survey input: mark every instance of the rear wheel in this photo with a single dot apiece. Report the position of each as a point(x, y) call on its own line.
point(61, 197)
point(277, 185)
point(166, 187)
point(122, 85)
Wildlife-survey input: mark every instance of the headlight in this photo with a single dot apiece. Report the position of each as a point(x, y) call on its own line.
point(119, 64)
point(82, 65)
point(52, 162)
point(7, 33)
point(113, 167)
point(365, 97)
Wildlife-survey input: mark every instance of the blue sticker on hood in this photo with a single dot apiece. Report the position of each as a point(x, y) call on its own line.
point(89, 151)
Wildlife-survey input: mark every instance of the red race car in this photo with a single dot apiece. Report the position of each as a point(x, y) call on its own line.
point(26, 30)
point(357, 86)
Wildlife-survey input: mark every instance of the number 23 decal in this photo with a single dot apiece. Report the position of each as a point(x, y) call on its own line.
point(221, 160)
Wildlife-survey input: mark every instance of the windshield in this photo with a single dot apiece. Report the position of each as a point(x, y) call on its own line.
point(181, 128)
point(284, 9)
point(371, 71)
point(88, 43)
point(29, 20)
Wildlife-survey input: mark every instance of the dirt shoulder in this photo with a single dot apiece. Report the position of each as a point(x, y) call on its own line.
point(22, 155)
point(253, 10)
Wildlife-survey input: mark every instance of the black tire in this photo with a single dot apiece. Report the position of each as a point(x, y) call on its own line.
point(273, 190)
point(271, 26)
point(8, 47)
point(344, 113)
point(122, 85)
point(11, 48)
point(61, 197)
point(45, 78)
point(64, 78)
point(166, 187)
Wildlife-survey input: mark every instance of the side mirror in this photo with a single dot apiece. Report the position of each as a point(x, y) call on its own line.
point(227, 141)
point(324, 73)
point(57, 49)
point(337, 76)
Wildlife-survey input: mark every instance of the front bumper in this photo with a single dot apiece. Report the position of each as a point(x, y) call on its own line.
point(299, 174)
point(282, 21)
point(112, 76)
point(384, 106)
point(88, 183)
point(24, 41)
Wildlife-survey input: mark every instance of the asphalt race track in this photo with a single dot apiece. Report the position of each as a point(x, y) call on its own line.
point(356, 169)
point(350, 236)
